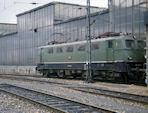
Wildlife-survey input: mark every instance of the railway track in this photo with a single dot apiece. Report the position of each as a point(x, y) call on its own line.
point(92, 90)
point(57, 104)
point(114, 94)
point(29, 80)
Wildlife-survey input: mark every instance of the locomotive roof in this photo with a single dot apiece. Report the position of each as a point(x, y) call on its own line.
point(81, 42)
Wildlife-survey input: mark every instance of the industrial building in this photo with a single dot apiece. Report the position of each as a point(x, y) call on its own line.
point(128, 16)
point(64, 22)
point(6, 29)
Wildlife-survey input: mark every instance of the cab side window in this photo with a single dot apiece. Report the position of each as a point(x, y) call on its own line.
point(129, 43)
point(140, 44)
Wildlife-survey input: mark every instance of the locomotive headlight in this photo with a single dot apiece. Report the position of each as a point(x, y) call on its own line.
point(145, 56)
point(129, 58)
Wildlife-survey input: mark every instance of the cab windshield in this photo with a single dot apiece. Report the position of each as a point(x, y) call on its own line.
point(129, 43)
point(140, 44)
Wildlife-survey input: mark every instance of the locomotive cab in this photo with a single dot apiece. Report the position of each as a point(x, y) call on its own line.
point(134, 57)
point(128, 50)
point(132, 50)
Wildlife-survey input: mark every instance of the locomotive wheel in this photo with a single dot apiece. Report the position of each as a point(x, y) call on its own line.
point(61, 75)
point(46, 74)
point(83, 75)
point(141, 77)
point(124, 77)
point(74, 76)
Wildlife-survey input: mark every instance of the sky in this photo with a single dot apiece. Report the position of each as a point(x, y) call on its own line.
point(10, 8)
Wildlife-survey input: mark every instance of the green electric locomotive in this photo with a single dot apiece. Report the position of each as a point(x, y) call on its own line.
point(120, 57)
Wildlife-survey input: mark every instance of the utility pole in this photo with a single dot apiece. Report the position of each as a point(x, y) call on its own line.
point(146, 55)
point(133, 17)
point(88, 60)
point(146, 23)
point(4, 4)
point(111, 22)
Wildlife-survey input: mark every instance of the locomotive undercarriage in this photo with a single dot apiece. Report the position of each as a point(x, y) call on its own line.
point(126, 72)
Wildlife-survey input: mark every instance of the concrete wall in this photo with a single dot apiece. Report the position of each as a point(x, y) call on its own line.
point(19, 70)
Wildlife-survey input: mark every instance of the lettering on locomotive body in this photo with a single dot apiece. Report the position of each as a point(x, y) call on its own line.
point(85, 66)
point(70, 66)
point(69, 57)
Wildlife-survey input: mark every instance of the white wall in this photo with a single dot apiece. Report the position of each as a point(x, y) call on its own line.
point(18, 70)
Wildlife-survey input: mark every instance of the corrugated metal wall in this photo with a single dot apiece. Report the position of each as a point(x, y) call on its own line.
point(40, 25)
point(9, 50)
point(65, 23)
point(34, 30)
point(127, 16)
point(7, 28)
point(67, 11)
point(74, 29)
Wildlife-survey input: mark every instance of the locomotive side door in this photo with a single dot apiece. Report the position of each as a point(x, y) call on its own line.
point(110, 51)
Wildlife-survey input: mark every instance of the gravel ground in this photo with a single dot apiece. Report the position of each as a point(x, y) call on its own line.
point(133, 89)
point(98, 101)
point(11, 104)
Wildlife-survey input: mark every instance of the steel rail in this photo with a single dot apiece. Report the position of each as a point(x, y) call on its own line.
point(28, 79)
point(114, 94)
point(55, 103)
point(93, 90)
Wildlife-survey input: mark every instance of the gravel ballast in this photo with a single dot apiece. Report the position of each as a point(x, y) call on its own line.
point(104, 102)
point(11, 104)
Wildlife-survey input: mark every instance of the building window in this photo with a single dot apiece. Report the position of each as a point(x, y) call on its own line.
point(35, 30)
